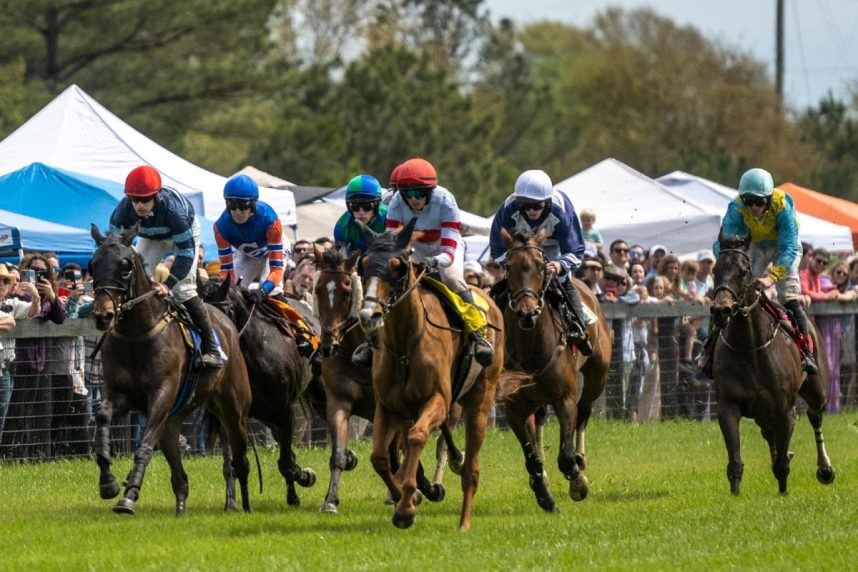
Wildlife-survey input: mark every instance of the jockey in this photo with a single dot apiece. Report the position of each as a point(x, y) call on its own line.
point(438, 244)
point(768, 216)
point(166, 222)
point(363, 201)
point(534, 206)
point(251, 244)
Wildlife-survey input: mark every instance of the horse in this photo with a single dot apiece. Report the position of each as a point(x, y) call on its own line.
point(278, 375)
point(536, 345)
point(143, 361)
point(414, 367)
point(757, 370)
point(337, 296)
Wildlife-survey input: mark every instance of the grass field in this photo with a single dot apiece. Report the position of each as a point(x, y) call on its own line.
point(659, 500)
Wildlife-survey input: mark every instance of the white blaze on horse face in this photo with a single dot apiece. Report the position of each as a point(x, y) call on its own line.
point(368, 309)
point(330, 287)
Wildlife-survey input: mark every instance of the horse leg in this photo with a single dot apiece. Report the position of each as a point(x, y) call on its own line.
point(108, 487)
point(728, 419)
point(383, 452)
point(155, 422)
point(517, 415)
point(446, 450)
point(595, 373)
point(338, 424)
point(178, 477)
point(434, 413)
point(230, 503)
point(815, 396)
point(476, 418)
point(235, 423)
point(782, 431)
point(286, 460)
point(567, 459)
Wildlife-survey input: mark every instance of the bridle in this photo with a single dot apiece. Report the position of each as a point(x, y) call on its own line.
point(125, 289)
point(736, 308)
point(341, 329)
point(400, 289)
point(518, 295)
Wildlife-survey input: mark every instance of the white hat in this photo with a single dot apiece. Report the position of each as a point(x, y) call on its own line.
point(534, 185)
point(705, 255)
point(473, 266)
point(657, 247)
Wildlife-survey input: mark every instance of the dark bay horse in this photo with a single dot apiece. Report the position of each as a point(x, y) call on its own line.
point(278, 375)
point(536, 345)
point(757, 371)
point(414, 367)
point(144, 359)
point(337, 295)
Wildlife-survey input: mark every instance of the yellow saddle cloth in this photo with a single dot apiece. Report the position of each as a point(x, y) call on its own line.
point(299, 326)
point(474, 320)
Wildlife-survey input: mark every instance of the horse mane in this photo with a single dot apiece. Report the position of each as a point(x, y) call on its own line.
point(733, 242)
point(333, 257)
point(383, 244)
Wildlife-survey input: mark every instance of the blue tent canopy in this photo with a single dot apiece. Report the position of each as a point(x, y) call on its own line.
point(44, 194)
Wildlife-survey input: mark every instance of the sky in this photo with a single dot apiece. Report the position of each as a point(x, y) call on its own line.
point(821, 47)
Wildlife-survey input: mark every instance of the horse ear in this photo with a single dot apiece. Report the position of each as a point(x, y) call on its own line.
point(367, 233)
point(318, 253)
point(403, 237)
point(96, 234)
point(352, 260)
point(129, 236)
point(506, 237)
point(540, 236)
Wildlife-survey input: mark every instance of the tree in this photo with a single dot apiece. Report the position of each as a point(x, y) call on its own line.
point(832, 128)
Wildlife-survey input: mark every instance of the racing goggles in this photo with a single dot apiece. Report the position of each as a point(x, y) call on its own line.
point(754, 201)
point(362, 205)
point(415, 192)
point(530, 205)
point(239, 204)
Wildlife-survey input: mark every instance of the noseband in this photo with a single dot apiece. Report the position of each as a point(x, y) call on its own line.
point(736, 308)
point(518, 295)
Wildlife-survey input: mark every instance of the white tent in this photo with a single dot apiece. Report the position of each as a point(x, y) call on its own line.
point(76, 133)
point(317, 219)
point(715, 197)
point(632, 207)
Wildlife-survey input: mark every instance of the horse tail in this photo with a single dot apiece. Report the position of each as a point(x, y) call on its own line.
point(252, 440)
point(510, 382)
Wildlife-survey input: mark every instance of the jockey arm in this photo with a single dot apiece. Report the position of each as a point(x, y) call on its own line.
point(184, 249)
point(569, 237)
point(450, 231)
point(732, 225)
point(501, 220)
point(224, 254)
point(274, 237)
point(788, 243)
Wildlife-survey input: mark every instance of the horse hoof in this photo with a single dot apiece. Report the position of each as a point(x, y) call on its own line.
point(108, 490)
point(124, 506)
point(230, 506)
point(543, 495)
point(437, 493)
point(579, 489)
point(351, 460)
point(826, 475)
point(180, 508)
point(307, 478)
point(456, 464)
point(292, 499)
point(329, 508)
point(403, 520)
point(418, 498)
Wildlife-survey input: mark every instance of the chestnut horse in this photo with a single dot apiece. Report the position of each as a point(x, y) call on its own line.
point(144, 359)
point(277, 374)
point(348, 388)
point(757, 370)
point(536, 345)
point(414, 367)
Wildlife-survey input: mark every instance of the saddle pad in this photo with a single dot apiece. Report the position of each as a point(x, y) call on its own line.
point(295, 319)
point(474, 320)
point(784, 320)
point(188, 387)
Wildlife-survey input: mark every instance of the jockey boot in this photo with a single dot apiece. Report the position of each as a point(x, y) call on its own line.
point(707, 353)
point(577, 334)
point(484, 353)
point(808, 363)
point(200, 315)
point(362, 355)
point(305, 346)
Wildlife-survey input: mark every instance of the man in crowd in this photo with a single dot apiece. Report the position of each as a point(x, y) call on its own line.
point(704, 283)
point(656, 253)
point(619, 254)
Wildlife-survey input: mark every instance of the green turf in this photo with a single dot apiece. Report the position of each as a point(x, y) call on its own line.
point(659, 500)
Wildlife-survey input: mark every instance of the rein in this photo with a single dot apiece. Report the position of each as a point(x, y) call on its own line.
point(515, 297)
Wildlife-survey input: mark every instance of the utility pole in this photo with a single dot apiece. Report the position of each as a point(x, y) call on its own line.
point(779, 50)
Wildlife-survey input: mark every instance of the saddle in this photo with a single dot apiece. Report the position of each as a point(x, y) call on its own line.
point(785, 320)
point(290, 322)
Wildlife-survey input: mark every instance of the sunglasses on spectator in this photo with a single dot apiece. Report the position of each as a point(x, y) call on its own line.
point(754, 201)
point(417, 193)
point(636, 254)
point(620, 250)
point(300, 250)
point(821, 260)
point(142, 200)
point(71, 275)
point(6, 281)
point(238, 205)
point(370, 206)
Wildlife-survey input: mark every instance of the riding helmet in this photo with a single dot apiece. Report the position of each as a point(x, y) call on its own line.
point(364, 187)
point(534, 185)
point(142, 182)
point(757, 182)
point(241, 187)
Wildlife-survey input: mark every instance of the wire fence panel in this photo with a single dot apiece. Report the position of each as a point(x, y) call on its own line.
point(50, 386)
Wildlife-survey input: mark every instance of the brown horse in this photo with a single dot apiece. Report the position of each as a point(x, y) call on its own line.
point(413, 370)
point(277, 374)
point(144, 359)
point(348, 387)
point(536, 345)
point(757, 371)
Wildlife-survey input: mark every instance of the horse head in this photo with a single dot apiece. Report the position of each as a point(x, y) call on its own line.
point(112, 269)
point(526, 275)
point(733, 279)
point(386, 270)
point(336, 295)
point(217, 292)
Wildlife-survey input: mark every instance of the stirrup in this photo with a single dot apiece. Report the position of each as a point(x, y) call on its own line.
point(212, 360)
point(484, 353)
point(808, 364)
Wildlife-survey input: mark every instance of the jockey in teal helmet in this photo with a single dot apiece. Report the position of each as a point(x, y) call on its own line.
point(363, 203)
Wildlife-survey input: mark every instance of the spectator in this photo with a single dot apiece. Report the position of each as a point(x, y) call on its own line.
point(325, 242)
point(300, 250)
point(845, 337)
point(806, 255)
point(11, 310)
point(590, 234)
point(704, 282)
point(637, 273)
point(658, 289)
point(302, 283)
point(616, 287)
point(819, 287)
point(473, 273)
point(853, 273)
point(656, 253)
point(811, 276)
point(669, 268)
point(619, 253)
point(28, 420)
point(637, 253)
point(593, 272)
point(688, 271)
